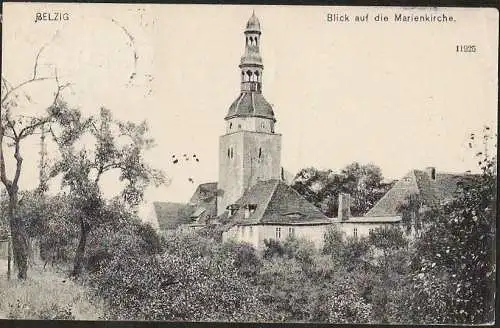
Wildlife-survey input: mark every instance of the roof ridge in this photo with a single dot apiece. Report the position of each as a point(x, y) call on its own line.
point(266, 204)
point(240, 99)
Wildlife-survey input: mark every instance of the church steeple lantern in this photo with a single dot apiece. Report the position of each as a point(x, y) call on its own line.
point(251, 61)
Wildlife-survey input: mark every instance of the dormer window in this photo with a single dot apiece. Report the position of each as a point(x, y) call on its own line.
point(249, 209)
point(233, 208)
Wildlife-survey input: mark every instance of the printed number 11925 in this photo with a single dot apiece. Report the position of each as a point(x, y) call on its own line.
point(466, 48)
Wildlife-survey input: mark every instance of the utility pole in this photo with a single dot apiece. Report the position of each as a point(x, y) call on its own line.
point(8, 256)
point(43, 158)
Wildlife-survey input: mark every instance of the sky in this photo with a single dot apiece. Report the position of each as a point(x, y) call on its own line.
point(397, 95)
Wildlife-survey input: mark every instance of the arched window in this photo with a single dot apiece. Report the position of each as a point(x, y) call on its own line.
point(249, 73)
point(228, 153)
point(257, 76)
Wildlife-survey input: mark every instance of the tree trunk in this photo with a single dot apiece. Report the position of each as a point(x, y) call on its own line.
point(80, 250)
point(19, 238)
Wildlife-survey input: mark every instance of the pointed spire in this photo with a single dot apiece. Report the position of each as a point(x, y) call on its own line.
point(253, 23)
point(251, 61)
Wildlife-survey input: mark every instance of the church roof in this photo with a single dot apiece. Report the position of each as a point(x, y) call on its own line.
point(253, 23)
point(250, 104)
point(277, 203)
point(432, 192)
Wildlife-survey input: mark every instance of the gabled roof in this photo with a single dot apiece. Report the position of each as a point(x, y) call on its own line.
point(204, 192)
point(432, 192)
point(277, 203)
point(171, 215)
point(204, 201)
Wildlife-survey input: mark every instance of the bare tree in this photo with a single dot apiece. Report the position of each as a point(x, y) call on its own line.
point(14, 129)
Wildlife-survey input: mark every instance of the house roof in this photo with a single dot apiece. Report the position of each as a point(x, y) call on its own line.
point(204, 201)
point(250, 104)
point(432, 192)
point(171, 215)
point(277, 203)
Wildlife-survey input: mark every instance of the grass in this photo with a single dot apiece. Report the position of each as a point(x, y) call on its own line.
point(46, 294)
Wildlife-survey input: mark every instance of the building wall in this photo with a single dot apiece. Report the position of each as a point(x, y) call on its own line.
point(362, 229)
point(256, 234)
point(258, 124)
point(252, 156)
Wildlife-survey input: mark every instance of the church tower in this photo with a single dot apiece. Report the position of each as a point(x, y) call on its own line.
point(250, 151)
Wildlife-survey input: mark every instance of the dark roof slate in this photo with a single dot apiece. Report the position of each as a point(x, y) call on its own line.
point(277, 203)
point(171, 215)
point(250, 104)
point(204, 201)
point(432, 192)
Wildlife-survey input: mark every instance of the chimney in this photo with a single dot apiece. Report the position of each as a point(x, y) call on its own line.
point(431, 172)
point(344, 206)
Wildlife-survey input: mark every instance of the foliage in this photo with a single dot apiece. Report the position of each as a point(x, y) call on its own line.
point(178, 286)
point(454, 262)
point(243, 256)
point(119, 236)
point(119, 147)
point(322, 187)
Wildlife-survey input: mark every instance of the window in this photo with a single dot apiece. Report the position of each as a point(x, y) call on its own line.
point(228, 153)
point(230, 125)
point(231, 152)
point(278, 233)
point(355, 233)
point(260, 152)
point(243, 231)
point(252, 207)
point(239, 126)
point(291, 231)
point(250, 232)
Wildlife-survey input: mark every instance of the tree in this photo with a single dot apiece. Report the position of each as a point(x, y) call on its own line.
point(119, 147)
point(391, 268)
point(14, 129)
point(322, 187)
point(454, 263)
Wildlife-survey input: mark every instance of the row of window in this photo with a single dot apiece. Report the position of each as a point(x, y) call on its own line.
point(230, 152)
point(253, 41)
point(249, 230)
point(262, 125)
point(250, 76)
point(291, 232)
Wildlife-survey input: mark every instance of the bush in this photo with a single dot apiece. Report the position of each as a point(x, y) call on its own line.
point(243, 256)
point(169, 287)
point(130, 237)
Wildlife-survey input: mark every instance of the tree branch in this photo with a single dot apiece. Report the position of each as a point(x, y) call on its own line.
point(7, 94)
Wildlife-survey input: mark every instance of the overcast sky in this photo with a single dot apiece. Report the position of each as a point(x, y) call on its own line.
point(394, 94)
